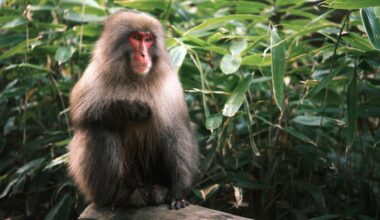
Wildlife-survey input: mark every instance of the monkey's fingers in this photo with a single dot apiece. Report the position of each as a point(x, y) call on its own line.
point(186, 203)
point(182, 203)
point(178, 204)
point(172, 204)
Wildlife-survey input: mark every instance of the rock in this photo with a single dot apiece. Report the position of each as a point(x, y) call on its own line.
point(156, 212)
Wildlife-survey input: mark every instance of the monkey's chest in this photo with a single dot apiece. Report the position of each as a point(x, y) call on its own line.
point(143, 160)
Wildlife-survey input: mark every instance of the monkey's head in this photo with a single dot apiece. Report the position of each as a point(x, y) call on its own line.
point(131, 42)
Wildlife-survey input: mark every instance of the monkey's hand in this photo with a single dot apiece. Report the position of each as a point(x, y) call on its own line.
point(135, 111)
point(139, 111)
point(176, 201)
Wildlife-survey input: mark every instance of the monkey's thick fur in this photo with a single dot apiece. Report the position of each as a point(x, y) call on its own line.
point(133, 143)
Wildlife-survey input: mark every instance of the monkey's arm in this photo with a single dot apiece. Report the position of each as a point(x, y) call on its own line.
point(182, 162)
point(113, 113)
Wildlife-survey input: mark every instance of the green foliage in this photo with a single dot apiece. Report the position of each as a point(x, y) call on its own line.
point(344, 4)
point(371, 23)
point(287, 117)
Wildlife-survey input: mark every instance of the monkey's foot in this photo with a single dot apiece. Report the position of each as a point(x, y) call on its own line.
point(139, 197)
point(158, 194)
point(177, 202)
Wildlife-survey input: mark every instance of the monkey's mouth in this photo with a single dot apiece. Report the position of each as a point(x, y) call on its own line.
point(141, 68)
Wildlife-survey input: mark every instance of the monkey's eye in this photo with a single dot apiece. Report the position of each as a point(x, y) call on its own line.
point(148, 39)
point(136, 36)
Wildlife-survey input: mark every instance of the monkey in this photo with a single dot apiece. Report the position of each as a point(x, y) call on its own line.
point(133, 144)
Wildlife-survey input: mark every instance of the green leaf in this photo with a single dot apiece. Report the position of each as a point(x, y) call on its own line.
point(39, 182)
point(268, 178)
point(249, 7)
point(292, 131)
point(177, 55)
point(87, 3)
point(144, 5)
point(236, 99)
point(218, 20)
point(238, 46)
point(345, 4)
point(368, 111)
point(60, 209)
point(289, 2)
point(31, 166)
point(57, 161)
point(372, 26)
point(316, 121)
point(41, 8)
point(8, 188)
point(326, 217)
point(83, 18)
point(10, 40)
point(14, 23)
point(324, 82)
point(352, 100)
point(358, 42)
point(63, 54)
point(246, 180)
point(313, 190)
point(19, 48)
point(91, 30)
point(214, 121)
point(32, 66)
point(230, 63)
point(9, 125)
point(257, 60)
point(278, 69)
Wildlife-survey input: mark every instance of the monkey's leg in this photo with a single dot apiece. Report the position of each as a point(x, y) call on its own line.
point(139, 197)
point(158, 194)
point(100, 166)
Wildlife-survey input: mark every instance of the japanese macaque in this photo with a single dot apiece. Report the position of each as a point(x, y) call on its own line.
point(133, 143)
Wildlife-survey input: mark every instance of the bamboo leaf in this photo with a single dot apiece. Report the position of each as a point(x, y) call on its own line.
point(17, 49)
point(352, 100)
point(14, 23)
point(88, 3)
point(238, 46)
point(214, 121)
point(218, 20)
point(83, 18)
point(63, 54)
point(177, 55)
point(59, 210)
point(236, 99)
point(345, 4)
point(313, 190)
point(292, 131)
point(230, 63)
point(278, 69)
point(144, 4)
point(316, 120)
point(326, 217)
point(257, 60)
point(372, 26)
point(323, 83)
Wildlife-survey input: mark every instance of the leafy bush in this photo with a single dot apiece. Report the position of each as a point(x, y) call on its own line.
point(284, 95)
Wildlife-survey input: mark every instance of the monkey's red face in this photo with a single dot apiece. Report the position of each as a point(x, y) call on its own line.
point(141, 60)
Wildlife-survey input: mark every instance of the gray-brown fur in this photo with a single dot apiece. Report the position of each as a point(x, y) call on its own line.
point(132, 143)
